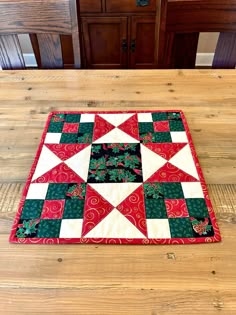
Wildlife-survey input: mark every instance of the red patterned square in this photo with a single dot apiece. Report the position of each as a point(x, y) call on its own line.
point(70, 127)
point(176, 208)
point(53, 209)
point(161, 126)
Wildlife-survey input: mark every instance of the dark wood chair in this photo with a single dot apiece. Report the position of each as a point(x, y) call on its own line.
point(179, 23)
point(45, 21)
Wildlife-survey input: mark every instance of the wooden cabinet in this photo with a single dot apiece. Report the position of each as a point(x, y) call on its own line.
point(109, 44)
point(105, 42)
point(115, 34)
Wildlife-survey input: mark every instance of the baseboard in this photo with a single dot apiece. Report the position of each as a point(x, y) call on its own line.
point(30, 60)
point(204, 59)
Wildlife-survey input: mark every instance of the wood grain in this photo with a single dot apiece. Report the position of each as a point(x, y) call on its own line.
point(50, 51)
point(90, 6)
point(104, 279)
point(198, 15)
point(47, 19)
point(27, 16)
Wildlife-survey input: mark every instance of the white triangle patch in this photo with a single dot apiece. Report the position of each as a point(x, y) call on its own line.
point(116, 136)
point(79, 162)
point(46, 162)
point(151, 162)
point(115, 225)
point(116, 119)
point(184, 161)
point(115, 193)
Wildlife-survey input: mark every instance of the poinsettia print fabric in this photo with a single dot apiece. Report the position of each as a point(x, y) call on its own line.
point(116, 178)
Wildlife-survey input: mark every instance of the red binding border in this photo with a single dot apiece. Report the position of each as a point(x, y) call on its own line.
point(212, 239)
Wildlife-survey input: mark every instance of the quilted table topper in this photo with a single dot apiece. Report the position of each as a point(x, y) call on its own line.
point(118, 178)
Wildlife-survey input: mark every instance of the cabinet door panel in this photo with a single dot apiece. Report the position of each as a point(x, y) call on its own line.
point(104, 38)
point(142, 42)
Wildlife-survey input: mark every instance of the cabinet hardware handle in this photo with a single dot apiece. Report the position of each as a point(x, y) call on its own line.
point(142, 3)
point(133, 45)
point(124, 45)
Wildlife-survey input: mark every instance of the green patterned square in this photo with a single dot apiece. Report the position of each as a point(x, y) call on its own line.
point(84, 138)
point(86, 128)
point(159, 116)
point(32, 209)
point(161, 137)
point(56, 191)
point(145, 127)
point(49, 228)
point(74, 209)
point(197, 207)
point(73, 118)
point(155, 209)
point(55, 127)
point(176, 125)
point(69, 138)
point(180, 228)
point(172, 191)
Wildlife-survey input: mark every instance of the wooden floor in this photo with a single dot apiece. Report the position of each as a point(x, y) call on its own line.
point(106, 279)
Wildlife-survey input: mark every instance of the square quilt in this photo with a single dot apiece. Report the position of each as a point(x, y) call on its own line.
point(116, 178)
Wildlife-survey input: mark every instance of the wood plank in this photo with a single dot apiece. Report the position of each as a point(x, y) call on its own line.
point(177, 88)
point(125, 266)
point(108, 301)
point(217, 162)
point(223, 197)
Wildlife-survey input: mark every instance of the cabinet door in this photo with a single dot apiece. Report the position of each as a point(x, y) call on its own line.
point(105, 42)
point(142, 43)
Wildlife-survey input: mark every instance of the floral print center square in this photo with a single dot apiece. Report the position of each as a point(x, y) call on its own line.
point(115, 163)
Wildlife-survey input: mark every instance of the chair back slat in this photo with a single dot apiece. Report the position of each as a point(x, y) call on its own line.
point(50, 51)
point(11, 56)
point(225, 53)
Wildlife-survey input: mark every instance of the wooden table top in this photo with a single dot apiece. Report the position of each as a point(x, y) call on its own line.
point(123, 279)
